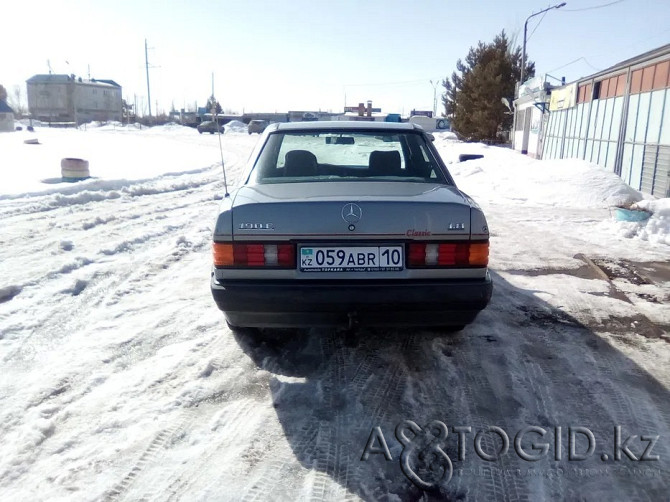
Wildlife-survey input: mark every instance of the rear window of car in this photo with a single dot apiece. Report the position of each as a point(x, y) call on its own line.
point(300, 156)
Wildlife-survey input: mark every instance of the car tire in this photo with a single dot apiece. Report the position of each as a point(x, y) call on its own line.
point(75, 169)
point(199, 132)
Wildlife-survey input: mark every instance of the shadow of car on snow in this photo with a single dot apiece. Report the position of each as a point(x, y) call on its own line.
point(521, 363)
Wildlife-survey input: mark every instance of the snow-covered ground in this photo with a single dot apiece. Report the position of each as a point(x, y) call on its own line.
point(120, 381)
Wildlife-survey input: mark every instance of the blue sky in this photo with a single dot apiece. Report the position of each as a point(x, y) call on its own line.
point(309, 54)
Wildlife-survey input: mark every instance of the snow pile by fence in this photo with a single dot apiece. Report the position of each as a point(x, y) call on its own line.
point(504, 175)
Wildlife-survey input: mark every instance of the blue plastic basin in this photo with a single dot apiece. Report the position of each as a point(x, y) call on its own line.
point(631, 215)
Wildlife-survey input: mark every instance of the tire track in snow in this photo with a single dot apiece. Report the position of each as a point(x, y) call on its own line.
point(101, 245)
point(150, 455)
point(390, 389)
point(323, 441)
point(103, 285)
point(380, 393)
point(97, 192)
point(451, 392)
point(335, 437)
point(74, 309)
point(570, 376)
point(54, 321)
point(492, 485)
point(614, 405)
point(306, 448)
point(147, 479)
point(170, 485)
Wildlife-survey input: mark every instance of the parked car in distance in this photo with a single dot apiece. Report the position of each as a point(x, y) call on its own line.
point(348, 223)
point(257, 126)
point(210, 126)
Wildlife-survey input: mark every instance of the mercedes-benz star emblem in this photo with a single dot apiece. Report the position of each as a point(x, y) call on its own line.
point(352, 213)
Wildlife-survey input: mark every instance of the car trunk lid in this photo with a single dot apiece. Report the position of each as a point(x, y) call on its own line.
point(352, 210)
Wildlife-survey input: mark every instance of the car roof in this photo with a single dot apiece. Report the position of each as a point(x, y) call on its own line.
point(345, 125)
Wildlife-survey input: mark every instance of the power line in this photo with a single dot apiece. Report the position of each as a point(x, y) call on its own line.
point(633, 44)
point(594, 7)
point(590, 65)
point(536, 27)
point(566, 64)
point(573, 62)
point(421, 81)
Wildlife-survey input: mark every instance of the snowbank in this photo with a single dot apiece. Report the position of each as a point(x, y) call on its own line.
point(504, 175)
point(656, 229)
point(117, 155)
point(120, 156)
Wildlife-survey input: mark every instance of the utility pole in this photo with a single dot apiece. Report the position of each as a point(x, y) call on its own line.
point(525, 30)
point(434, 84)
point(146, 61)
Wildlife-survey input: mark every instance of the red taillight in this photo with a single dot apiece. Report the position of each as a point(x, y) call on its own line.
point(453, 254)
point(417, 254)
point(254, 255)
point(448, 254)
point(286, 255)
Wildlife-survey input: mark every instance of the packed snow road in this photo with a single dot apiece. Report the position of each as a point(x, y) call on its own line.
point(120, 380)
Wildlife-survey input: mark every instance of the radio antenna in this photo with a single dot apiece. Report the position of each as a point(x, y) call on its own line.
point(215, 117)
point(223, 166)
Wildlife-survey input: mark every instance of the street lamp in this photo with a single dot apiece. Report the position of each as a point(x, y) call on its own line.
point(525, 30)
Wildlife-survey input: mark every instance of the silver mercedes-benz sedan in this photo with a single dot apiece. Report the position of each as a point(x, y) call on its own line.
point(347, 223)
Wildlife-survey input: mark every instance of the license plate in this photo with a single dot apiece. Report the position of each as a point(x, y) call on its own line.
point(351, 259)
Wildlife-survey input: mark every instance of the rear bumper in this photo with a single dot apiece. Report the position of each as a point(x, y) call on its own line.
point(333, 303)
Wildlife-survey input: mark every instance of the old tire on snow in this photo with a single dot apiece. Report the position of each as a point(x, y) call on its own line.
point(74, 169)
